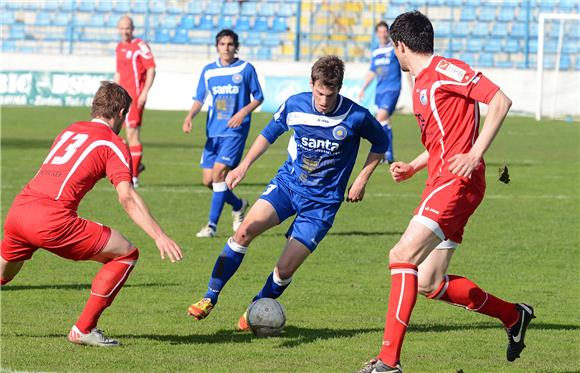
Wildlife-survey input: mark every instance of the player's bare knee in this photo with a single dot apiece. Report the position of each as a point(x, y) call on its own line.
point(208, 183)
point(398, 254)
point(244, 235)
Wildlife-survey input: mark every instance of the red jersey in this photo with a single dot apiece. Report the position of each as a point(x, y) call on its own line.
point(445, 102)
point(133, 60)
point(81, 155)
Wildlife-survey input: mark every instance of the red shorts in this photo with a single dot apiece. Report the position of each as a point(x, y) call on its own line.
point(61, 231)
point(446, 206)
point(133, 119)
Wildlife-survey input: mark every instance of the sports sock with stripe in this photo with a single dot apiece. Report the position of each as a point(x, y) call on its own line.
point(402, 299)
point(217, 202)
point(274, 287)
point(106, 285)
point(225, 266)
point(462, 292)
point(136, 155)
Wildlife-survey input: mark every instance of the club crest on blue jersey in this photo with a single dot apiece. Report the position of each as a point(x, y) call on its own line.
point(339, 133)
point(423, 97)
point(237, 78)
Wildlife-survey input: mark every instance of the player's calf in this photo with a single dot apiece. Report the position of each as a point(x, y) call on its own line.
point(106, 285)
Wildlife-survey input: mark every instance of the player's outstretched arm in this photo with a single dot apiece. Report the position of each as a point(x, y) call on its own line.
point(464, 164)
point(139, 213)
point(237, 119)
point(356, 192)
point(195, 108)
point(236, 175)
point(401, 171)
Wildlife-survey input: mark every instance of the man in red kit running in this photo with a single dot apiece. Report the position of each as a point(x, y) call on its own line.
point(445, 102)
point(135, 73)
point(44, 214)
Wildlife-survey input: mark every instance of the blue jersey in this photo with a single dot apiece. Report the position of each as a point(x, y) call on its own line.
point(323, 149)
point(386, 66)
point(229, 88)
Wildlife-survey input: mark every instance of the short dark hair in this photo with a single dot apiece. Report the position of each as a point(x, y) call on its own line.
point(415, 30)
point(329, 70)
point(109, 100)
point(230, 33)
point(382, 24)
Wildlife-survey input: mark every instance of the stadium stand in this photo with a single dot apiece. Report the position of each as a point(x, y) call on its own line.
point(490, 33)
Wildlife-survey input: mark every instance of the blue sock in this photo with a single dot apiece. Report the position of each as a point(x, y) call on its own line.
point(225, 266)
point(217, 202)
point(273, 288)
point(390, 155)
point(232, 200)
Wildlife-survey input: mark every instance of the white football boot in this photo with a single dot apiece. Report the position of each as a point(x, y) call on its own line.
point(206, 232)
point(239, 215)
point(94, 338)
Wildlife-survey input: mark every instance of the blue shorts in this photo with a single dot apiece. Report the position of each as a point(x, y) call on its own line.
point(387, 101)
point(227, 150)
point(313, 219)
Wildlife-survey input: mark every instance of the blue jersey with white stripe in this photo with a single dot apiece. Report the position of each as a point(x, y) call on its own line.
point(386, 66)
point(229, 88)
point(323, 148)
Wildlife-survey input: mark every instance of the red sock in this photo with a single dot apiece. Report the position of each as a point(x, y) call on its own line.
point(106, 285)
point(464, 293)
point(3, 282)
point(402, 299)
point(136, 155)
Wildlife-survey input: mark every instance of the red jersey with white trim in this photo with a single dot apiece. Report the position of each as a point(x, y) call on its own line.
point(133, 60)
point(446, 100)
point(81, 155)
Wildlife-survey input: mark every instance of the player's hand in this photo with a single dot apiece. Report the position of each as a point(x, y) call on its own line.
point(237, 119)
point(463, 164)
point(235, 176)
point(187, 124)
point(356, 192)
point(167, 247)
point(401, 171)
point(361, 95)
point(141, 100)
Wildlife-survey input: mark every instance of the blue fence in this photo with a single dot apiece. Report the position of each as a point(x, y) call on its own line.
point(483, 33)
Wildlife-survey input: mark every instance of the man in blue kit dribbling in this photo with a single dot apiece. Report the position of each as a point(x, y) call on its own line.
point(310, 185)
point(386, 69)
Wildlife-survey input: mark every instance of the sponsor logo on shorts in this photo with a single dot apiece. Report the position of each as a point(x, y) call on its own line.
point(339, 132)
point(237, 78)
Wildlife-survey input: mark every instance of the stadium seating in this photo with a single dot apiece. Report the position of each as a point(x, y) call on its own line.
point(490, 33)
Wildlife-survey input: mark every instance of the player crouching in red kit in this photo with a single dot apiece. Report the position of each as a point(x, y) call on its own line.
point(44, 214)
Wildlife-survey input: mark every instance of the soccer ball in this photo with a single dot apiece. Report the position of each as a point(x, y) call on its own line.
point(266, 317)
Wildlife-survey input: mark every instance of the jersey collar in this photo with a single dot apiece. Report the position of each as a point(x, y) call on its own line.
point(218, 63)
point(428, 64)
point(95, 120)
point(338, 105)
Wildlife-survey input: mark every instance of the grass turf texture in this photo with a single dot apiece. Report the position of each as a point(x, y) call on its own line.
point(522, 244)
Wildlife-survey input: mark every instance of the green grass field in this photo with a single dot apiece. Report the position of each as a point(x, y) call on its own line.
point(522, 244)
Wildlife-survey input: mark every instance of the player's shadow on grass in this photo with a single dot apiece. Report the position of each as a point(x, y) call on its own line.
point(427, 328)
point(364, 233)
point(291, 337)
point(78, 286)
point(25, 143)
